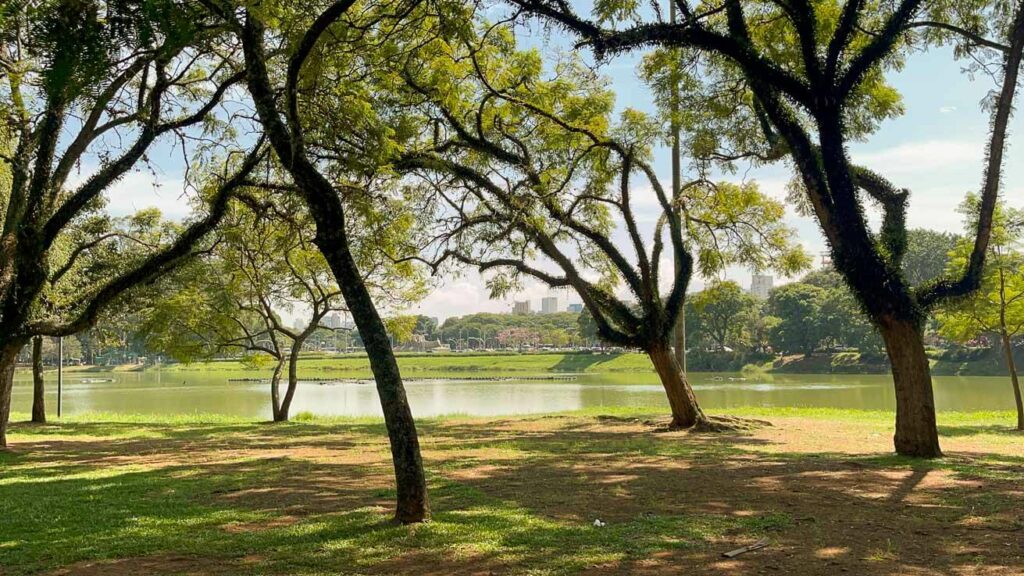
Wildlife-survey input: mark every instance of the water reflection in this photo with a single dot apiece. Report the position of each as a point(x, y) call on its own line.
point(184, 392)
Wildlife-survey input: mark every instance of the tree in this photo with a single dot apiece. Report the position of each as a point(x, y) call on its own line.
point(841, 318)
point(721, 308)
point(232, 299)
point(518, 338)
point(98, 82)
point(927, 256)
point(814, 74)
point(999, 306)
point(425, 326)
point(529, 174)
point(842, 322)
point(401, 328)
point(798, 307)
point(824, 278)
point(761, 326)
point(587, 327)
point(486, 326)
point(298, 120)
point(38, 384)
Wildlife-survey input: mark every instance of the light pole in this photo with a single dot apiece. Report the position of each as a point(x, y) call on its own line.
point(60, 375)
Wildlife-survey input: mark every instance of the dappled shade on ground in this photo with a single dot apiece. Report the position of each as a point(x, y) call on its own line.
point(511, 496)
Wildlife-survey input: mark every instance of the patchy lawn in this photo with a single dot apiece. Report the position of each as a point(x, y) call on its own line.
point(211, 495)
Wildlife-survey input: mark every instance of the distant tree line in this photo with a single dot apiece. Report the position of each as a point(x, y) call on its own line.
point(492, 330)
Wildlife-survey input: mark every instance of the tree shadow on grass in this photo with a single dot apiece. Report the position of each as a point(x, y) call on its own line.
point(835, 510)
point(1001, 430)
point(300, 517)
point(310, 499)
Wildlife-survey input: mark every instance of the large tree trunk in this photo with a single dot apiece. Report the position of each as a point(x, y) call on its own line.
point(1011, 365)
point(8, 359)
point(38, 385)
point(405, 446)
point(293, 380)
point(686, 413)
point(331, 238)
point(275, 391)
point(916, 431)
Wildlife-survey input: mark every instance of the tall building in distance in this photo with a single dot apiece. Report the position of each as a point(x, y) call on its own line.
point(521, 307)
point(332, 321)
point(336, 321)
point(761, 285)
point(549, 305)
point(575, 307)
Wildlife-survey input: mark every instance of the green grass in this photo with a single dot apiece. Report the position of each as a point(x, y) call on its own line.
point(58, 511)
point(416, 364)
point(101, 487)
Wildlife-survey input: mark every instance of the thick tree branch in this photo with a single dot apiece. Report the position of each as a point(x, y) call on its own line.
point(157, 264)
point(971, 278)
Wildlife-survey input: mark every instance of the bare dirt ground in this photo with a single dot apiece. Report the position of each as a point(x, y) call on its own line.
point(849, 515)
point(825, 493)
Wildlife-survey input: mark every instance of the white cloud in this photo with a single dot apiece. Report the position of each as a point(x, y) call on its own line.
point(138, 190)
point(927, 159)
point(947, 109)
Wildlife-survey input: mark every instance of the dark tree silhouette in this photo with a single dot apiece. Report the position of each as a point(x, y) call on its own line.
point(525, 183)
point(805, 93)
point(279, 110)
point(103, 75)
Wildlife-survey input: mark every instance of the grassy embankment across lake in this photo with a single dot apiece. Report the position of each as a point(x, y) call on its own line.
point(104, 495)
point(413, 364)
point(539, 363)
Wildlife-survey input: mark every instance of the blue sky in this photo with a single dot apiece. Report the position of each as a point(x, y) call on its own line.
point(935, 149)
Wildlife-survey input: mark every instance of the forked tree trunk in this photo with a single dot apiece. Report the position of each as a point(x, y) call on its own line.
point(686, 413)
point(916, 431)
point(38, 385)
point(1012, 366)
point(8, 359)
point(275, 391)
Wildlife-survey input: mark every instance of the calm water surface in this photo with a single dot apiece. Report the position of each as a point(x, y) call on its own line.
point(195, 392)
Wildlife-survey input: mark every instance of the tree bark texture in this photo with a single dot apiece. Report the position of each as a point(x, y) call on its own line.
point(686, 412)
point(916, 432)
point(38, 384)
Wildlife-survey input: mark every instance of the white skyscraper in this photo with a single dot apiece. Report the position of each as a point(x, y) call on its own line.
point(549, 305)
point(761, 285)
point(332, 321)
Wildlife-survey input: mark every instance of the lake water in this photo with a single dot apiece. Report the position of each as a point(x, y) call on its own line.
point(168, 392)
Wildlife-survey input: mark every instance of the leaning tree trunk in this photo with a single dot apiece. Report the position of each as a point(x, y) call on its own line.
point(275, 391)
point(916, 430)
point(38, 385)
point(331, 238)
point(293, 381)
point(686, 413)
point(8, 359)
point(405, 446)
point(1012, 366)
